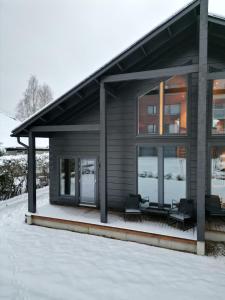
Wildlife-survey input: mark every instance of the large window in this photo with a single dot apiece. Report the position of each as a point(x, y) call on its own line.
point(165, 107)
point(148, 172)
point(218, 107)
point(162, 167)
point(67, 177)
point(148, 107)
point(174, 173)
point(218, 172)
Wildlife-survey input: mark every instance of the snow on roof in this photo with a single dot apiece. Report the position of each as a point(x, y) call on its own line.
point(6, 126)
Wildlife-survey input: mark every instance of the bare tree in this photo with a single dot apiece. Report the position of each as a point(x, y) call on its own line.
point(45, 94)
point(34, 98)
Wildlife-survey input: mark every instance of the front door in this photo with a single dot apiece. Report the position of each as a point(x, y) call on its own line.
point(87, 181)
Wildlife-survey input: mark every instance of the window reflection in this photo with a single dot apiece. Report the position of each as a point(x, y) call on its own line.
point(218, 107)
point(149, 112)
point(87, 180)
point(67, 177)
point(163, 110)
point(172, 183)
point(175, 107)
point(174, 173)
point(148, 173)
point(218, 172)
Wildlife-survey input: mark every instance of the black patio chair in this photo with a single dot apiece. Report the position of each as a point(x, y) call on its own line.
point(132, 206)
point(213, 206)
point(184, 214)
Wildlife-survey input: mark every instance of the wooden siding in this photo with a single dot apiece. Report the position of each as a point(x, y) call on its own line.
point(121, 126)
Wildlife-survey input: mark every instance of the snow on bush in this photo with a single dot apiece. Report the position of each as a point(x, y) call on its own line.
point(13, 173)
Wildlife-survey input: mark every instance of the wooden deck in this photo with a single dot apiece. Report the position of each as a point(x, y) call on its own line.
point(86, 220)
point(215, 229)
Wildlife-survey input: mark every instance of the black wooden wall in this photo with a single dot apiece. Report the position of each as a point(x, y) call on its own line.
point(122, 127)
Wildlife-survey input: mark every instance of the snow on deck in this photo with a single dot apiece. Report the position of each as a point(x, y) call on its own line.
point(92, 216)
point(43, 263)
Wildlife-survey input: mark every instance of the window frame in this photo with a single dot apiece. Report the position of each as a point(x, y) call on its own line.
point(157, 134)
point(211, 144)
point(60, 169)
point(211, 134)
point(160, 150)
point(171, 114)
point(154, 127)
point(154, 110)
point(68, 198)
point(71, 199)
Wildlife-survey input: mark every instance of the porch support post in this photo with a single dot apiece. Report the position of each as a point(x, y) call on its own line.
point(31, 174)
point(201, 133)
point(103, 155)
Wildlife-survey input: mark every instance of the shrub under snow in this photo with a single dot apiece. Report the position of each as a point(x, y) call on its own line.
point(13, 173)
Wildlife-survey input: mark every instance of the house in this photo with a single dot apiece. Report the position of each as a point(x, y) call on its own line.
point(151, 121)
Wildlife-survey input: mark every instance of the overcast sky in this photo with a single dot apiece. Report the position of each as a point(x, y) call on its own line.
point(63, 41)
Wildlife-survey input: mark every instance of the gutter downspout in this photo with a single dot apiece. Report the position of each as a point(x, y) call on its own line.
point(22, 144)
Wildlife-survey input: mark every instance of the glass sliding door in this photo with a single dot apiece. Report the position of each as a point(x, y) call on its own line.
point(148, 173)
point(87, 181)
point(162, 173)
point(218, 172)
point(67, 177)
point(174, 173)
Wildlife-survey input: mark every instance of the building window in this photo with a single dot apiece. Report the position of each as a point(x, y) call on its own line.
point(67, 177)
point(172, 128)
point(152, 109)
point(174, 173)
point(163, 185)
point(152, 128)
point(172, 109)
point(218, 107)
point(148, 103)
point(218, 172)
point(165, 106)
point(148, 172)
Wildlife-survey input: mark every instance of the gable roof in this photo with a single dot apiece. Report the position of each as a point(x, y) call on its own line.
point(120, 63)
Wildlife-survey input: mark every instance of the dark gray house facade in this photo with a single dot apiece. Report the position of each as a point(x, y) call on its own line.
point(151, 121)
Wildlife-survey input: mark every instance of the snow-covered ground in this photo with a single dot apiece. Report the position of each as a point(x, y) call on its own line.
point(41, 263)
